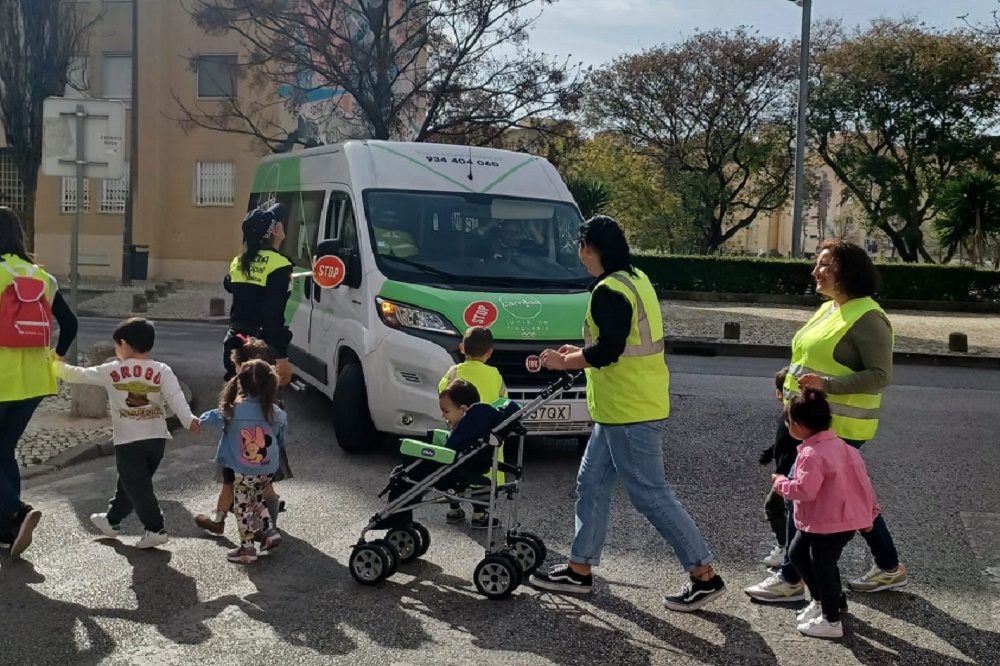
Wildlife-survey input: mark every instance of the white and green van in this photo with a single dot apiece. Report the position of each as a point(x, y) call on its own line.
point(435, 238)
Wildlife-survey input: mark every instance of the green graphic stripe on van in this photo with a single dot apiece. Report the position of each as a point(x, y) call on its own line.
point(280, 175)
point(451, 180)
point(542, 317)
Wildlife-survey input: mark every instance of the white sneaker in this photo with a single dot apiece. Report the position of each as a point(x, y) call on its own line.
point(774, 590)
point(775, 558)
point(153, 539)
point(100, 521)
point(818, 627)
point(877, 580)
point(813, 610)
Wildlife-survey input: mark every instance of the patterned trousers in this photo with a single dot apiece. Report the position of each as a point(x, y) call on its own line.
point(248, 505)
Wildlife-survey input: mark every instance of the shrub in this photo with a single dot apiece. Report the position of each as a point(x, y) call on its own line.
point(751, 275)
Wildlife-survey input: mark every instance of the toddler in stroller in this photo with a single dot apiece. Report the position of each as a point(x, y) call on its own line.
point(439, 471)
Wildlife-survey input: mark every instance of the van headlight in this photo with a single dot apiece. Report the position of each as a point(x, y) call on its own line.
point(397, 315)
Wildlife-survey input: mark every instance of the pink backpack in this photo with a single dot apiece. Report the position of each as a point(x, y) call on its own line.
point(25, 313)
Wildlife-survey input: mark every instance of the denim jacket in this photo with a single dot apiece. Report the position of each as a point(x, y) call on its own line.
point(250, 444)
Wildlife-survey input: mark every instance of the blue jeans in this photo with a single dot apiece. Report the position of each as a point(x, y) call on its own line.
point(633, 453)
point(879, 540)
point(14, 419)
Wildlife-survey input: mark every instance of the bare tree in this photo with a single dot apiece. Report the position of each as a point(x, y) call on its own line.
point(384, 69)
point(717, 111)
point(38, 39)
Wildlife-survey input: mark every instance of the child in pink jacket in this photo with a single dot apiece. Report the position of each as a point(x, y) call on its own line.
point(833, 499)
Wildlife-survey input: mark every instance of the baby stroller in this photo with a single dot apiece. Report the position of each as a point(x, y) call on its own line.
point(451, 468)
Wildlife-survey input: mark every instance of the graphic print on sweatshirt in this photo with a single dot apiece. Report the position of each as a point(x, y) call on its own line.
point(139, 383)
point(254, 445)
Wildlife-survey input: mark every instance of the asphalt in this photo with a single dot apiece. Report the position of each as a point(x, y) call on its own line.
point(80, 600)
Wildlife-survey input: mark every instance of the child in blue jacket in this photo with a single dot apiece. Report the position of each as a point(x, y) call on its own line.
point(253, 432)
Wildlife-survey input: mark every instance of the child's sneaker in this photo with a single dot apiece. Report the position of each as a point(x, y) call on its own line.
point(454, 516)
point(818, 627)
point(100, 521)
point(153, 539)
point(481, 521)
point(775, 590)
point(695, 594)
point(29, 521)
point(272, 539)
point(776, 557)
point(209, 524)
point(813, 610)
point(281, 506)
point(242, 555)
point(877, 580)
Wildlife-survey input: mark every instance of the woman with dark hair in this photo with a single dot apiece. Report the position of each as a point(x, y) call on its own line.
point(29, 298)
point(844, 350)
point(259, 280)
point(628, 395)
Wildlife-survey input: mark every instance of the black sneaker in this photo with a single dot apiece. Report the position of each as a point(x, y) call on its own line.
point(695, 594)
point(562, 579)
point(482, 521)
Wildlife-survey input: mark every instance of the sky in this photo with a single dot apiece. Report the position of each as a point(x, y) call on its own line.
point(596, 31)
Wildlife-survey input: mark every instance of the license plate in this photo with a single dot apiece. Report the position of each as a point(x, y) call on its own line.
point(555, 411)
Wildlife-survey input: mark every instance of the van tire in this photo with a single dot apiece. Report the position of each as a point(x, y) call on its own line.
point(352, 422)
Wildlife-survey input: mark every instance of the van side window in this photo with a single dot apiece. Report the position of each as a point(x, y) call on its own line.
point(305, 210)
point(340, 223)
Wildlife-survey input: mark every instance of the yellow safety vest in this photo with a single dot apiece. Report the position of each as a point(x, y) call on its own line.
point(855, 415)
point(265, 263)
point(25, 373)
point(635, 388)
point(485, 378)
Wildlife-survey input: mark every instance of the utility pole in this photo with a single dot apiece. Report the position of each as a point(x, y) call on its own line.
point(133, 163)
point(800, 139)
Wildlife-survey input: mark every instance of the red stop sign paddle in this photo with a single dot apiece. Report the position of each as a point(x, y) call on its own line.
point(481, 313)
point(329, 271)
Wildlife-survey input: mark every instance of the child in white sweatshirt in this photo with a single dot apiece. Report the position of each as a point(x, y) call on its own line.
point(138, 387)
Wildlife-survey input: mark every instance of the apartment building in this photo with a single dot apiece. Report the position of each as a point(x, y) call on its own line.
point(193, 185)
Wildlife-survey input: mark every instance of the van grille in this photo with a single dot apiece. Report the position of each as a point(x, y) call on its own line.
point(510, 359)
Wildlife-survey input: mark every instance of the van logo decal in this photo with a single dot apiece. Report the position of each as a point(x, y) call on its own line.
point(533, 363)
point(521, 307)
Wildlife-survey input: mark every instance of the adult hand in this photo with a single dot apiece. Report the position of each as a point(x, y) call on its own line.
point(284, 370)
point(568, 349)
point(195, 426)
point(553, 360)
point(811, 381)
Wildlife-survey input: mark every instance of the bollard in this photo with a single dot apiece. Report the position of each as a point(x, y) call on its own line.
point(217, 307)
point(91, 402)
point(161, 290)
point(731, 330)
point(171, 286)
point(139, 304)
point(152, 296)
point(958, 342)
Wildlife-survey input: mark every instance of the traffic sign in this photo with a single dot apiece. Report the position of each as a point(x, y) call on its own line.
point(329, 272)
point(481, 313)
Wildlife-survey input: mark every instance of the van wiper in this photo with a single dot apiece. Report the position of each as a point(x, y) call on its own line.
point(421, 267)
point(482, 280)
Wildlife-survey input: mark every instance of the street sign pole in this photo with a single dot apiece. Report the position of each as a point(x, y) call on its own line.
point(74, 239)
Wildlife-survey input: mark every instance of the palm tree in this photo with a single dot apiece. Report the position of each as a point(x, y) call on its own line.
point(592, 196)
point(970, 208)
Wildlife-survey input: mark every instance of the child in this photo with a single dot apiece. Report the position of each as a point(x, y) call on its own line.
point(833, 498)
point(477, 347)
point(782, 453)
point(253, 430)
point(249, 349)
point(137, 388)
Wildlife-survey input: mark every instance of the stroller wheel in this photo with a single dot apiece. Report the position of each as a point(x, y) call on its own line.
point(407, 543)
point(496, 577)
point(369, 564)
point(528, 552)
point(391, 553)
point(425, 538)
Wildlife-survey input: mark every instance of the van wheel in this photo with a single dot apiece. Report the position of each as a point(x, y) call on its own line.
point(352, 421)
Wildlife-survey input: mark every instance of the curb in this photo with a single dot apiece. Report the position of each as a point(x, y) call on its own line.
point(93, 450)
point(214, 321)
point(702, 347)
point(949, 307)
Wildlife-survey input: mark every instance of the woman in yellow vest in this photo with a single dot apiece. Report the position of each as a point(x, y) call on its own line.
point(259, 280)
point(845, 349)
point(25, 372)
point(628, 394)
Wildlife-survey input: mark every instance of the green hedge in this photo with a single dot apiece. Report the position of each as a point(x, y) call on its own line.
point(750, 275)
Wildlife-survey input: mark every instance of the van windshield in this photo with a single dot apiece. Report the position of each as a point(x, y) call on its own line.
point(475, 239)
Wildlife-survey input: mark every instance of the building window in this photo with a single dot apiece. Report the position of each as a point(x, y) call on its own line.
point(117, 76)
point(11, 187)
point(215, 184)
point(216, 76)
point(114, 193)
point(68, 204)
point(77, 77)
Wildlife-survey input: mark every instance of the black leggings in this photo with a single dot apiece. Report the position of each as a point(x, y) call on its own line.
point(815, 557)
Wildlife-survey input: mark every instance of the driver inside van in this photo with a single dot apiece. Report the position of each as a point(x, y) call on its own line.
point(390, 237)
point(508, 238)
